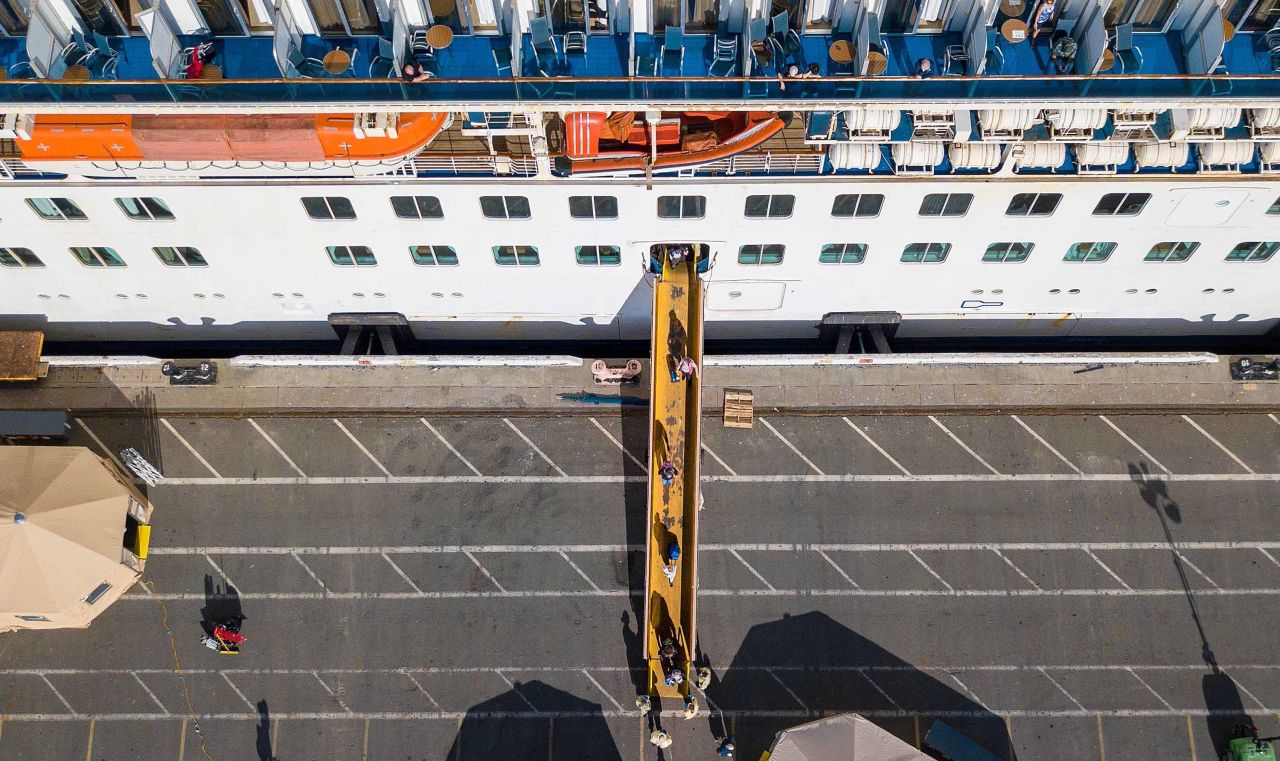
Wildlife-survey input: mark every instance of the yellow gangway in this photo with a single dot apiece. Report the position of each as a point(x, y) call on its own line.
point(673, 437)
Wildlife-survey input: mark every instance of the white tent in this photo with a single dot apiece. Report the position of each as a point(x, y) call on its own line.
point(73, 536)
point(846, 737)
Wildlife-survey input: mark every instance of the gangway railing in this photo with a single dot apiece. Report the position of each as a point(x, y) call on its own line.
point(674, 439)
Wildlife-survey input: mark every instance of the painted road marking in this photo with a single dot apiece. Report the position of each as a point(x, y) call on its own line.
point(734, 477)
point(1011, 564)
point(581, 573)
point(863, 673)
point(423, 691)
point(792, 447)
point(147, 689)
point(839, 570)
point(58, 695)
point(1196, 568)
point(612, 438)
point(361, 446)
point(183, 441)
point(1046, 444)
point(716, 457)
point(932, 572)
point(1133, 443)
point(1150, 689)
point(329, 690)
point(790, 692)
point(535, 448)
point(600, 687)
point(450, 447)
point(1107, 568)
point(965, 446)
point(753, 571)
point(237, 691)
point(512, 685)
point(1061, 689)
point(488, 575)
point(276, 447)
point(400, 571)
point(877, 447)
point(310, 572)
point(225, 578)
point(85, 426)
point(1218, 444)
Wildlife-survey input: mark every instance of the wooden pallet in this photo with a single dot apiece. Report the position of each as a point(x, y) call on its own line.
point(20, 355)
point(739, 408)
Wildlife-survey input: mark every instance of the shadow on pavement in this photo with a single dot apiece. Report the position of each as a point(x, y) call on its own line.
point(1226, 714)
point(795, 669)
point(635, 438)
point(506, 727)
point(221, 604)
point(262, 743)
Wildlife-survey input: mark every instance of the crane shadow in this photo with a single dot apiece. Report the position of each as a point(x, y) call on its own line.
point(534, 721)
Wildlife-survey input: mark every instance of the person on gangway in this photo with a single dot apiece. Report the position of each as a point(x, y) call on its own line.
point(671, 562)
point(667, 472)
point(686, 369)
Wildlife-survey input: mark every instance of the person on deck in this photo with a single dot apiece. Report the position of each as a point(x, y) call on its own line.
point(412, 73)
point(1043, 16)
point(1063, 53)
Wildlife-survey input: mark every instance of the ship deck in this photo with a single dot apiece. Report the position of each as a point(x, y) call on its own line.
point(468, 587)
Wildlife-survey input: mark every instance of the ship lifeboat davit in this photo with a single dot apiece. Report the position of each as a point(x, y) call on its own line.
point(227, 137)
point(598, 143)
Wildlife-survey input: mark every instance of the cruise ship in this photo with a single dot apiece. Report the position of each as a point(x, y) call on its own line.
point(194, 170)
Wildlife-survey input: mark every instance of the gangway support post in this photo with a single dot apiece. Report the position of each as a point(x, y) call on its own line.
point(674, 437)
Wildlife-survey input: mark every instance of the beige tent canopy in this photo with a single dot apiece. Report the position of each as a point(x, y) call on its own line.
point(73, 536)
point(847, 737)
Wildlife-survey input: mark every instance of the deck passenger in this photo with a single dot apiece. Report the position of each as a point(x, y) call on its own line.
point(924, 69)
point(1063, 53)
point(412, 73)
point(1043, 17)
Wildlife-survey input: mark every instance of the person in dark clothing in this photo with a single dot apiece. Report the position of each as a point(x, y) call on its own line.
point(412, 73)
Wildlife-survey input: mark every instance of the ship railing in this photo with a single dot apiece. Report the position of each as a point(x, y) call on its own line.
point(14, 168)
point(761, 163)
point(498, 94)
point(481, 163)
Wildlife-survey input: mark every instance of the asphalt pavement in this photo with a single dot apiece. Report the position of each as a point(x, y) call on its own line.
point(1057, 587)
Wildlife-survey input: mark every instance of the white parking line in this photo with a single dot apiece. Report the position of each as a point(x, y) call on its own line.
point(57, 694)
point(1107, 568)
point(790, 692)
point(617, 443)
point(449, 446)
point(485, 571)
point(1012, 565)
point(965, 446)
point(535, 448)
point(329, 690)
point(600, 687)
point(1150, 689)
point(1061, 689)
point(1273, 417)
point(1133, 443)
point(753, 571)
point(839, 570)
point(796, 592)
point(1247, 693)
point(310, 572)
point(1269, 556)
point(237, 691)
point(716, 457)
point(183, 441)
point(581, 573)
point(792, 447)
point(276, 447)
point(361, 446)
point(967, 691)
point(106, 450)
point(863, 673)
point(1046, 444)
point(932, 572)
point(401, 572)
point(512, 685)
point(147, 690)
point(877, 447)
point(1196, 568)
point(1218, 444)
point(225, 578)
point(423, 691)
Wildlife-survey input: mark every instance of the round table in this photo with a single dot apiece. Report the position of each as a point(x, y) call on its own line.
point(76, 73)
point(1228, 30)
point(1108, 60)
point(336, 61)
point(841, 51)
point(441, 8)
point(439, 36)
point(877, 63)
point(211, 71)
point(1013, 8)
point(1014, 30)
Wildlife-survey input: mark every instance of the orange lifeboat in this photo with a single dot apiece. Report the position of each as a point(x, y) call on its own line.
point(234, 137)
point(596, 142)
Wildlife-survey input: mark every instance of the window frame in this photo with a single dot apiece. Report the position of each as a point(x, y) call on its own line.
point(1274, 208)
point(19, 260)
point(859, 200)
point(615, 252)
point(329, 207)
point(1095, 246)
point(945, 210)
point(144, 203)
point(1004, 258)
point(73, 214)
point(928, 251)
point(860, 255)
point(516, 254)
point(595, 203)
point(97, 256)
point(351, 253)
point(417, 259)
point(786, 200)
point(1122, 203)
point(183, 256)
point(506, 207)
point(416, 201)
point(1173, 255)
point(1255, 246)
point(698, 201)
point(1036, 199)
point(764, 249)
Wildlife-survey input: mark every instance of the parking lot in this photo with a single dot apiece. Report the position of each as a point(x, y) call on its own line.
point(1058, 587)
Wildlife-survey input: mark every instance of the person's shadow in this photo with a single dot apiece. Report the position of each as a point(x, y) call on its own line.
point(221, 604)
point(810, 666)
point(535, 721)
point(1226, 714)
point(262, 742)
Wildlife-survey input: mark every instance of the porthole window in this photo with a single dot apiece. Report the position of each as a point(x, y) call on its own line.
point(843, 253)
point(1253, 251)
point(593, 207)
point(434, 256)
point(417, 207)
point(57, 209)
point(594, 256)
point(682, 207)
point(1089, 252)
point(1121, 204)
point(774, 207)
point(97, 256)
point(349, 256)
point(516, 256)
point(504, 207)
point(767, 253)
point(145, 209)
point(1007, 252)
point(180, 256)
point(328, 207)
point(926, 253)
point(1033, 204)
point(945, 204)
point(19, 257)
point(857, 205)
point(1171, 252)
